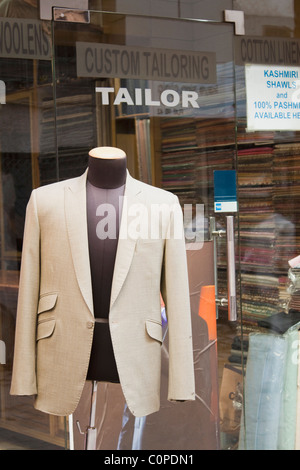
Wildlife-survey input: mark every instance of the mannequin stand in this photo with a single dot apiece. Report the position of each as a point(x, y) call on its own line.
point(107, 171)
point(90, 442)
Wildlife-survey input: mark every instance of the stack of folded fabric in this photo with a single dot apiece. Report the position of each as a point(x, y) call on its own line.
point(281, 322)
point(178, 159)
point(294, 304)
point(286, 161)
point(239, 350)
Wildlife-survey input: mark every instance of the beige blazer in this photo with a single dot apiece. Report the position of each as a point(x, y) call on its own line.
point(55, 321)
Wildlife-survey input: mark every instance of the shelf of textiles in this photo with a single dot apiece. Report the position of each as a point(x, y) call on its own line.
point(286, 205)
point(269, 192)
point(191, 149)
point(256, 209)
point(179, 157)
point(257, 222)
point(71, 127)
point(287, 202)
point(269, 197)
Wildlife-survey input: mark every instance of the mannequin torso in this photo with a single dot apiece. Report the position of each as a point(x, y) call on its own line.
point(105, 188)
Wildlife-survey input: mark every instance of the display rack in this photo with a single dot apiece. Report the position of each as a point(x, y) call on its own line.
point(54, 133)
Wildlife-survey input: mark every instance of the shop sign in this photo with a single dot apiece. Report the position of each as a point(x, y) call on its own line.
point(24, 39)
point(267, 51)
point(225, 194)
point(114, 61)
point(2, 352)
point(273, 97)
point(2, 92)
point(139, 97)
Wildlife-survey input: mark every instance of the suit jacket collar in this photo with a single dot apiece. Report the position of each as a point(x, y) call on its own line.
point(76, 220)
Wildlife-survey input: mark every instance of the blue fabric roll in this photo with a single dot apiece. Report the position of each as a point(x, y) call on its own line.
point(263, 392)
point(269, 418)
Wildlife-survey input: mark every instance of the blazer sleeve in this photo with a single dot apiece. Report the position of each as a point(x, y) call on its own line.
point(175, 293)
point(24, 364)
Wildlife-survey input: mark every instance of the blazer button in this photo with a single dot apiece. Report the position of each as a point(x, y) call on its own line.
point(90, 324)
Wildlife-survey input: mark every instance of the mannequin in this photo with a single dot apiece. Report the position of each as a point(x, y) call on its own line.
point(105, 185)
point(55, 325)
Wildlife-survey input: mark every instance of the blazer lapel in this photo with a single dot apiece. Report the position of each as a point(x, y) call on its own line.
point(76, 219)
point(126, 243)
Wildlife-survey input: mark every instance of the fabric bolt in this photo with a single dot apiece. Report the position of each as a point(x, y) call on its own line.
point(263, 392)
point(297, 438)
point(271, 392)
point(287, 427)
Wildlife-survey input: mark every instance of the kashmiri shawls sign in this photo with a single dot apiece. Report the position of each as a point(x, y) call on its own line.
point(272, 75)
point(273, 97)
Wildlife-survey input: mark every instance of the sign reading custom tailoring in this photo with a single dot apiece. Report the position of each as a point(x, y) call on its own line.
point(107, 60)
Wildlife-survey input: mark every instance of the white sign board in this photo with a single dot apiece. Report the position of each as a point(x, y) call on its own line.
point(273, 97)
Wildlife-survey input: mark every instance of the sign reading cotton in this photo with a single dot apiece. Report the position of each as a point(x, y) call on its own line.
point(273, 97)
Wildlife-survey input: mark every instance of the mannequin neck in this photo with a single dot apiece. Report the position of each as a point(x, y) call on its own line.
point(107, 172)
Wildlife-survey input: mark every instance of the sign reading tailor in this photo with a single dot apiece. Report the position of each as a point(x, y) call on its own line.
point(169, 97)
point(273, 97)
point(114, 61)
point(25, 39)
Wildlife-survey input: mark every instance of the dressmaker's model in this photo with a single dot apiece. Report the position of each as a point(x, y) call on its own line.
point(105, 190)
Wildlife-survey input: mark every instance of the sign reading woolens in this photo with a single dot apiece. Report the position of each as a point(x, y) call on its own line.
point(24, 39)
point(113, 61)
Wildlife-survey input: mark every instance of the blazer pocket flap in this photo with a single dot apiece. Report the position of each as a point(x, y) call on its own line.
point(154, 329)
point(47, 302)
point(45, 329)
